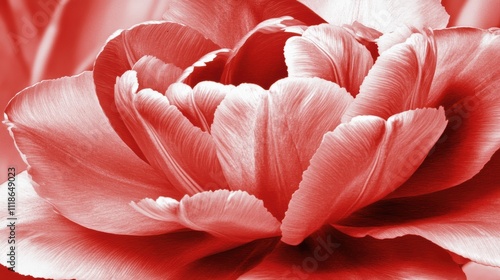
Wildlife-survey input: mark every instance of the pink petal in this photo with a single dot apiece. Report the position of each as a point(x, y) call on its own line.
point(198, 104)
point(343, 60)
point(232, 215)
point(265, 139)
point(209, 68)
point(382, 15)
point(336, 256)
point(185, 154)
point(155, 74)
point(466, 84)
point(48, 245)
point(461, 219)
point(230, 21)
point(258, 58)
point(399, 80)
point(357, 164)
point(78, 163)
point(172, 43)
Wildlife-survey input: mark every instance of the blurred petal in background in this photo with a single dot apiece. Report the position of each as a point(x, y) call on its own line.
point(476, 13)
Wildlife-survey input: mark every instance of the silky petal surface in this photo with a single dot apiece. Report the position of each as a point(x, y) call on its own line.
point(265, 139)
point(335, 256)
point(182, 152)
point(462, 219)
point(314, 54)
point(78, 163)
point(155, 74)
point(357, 164)
point(199, 103)
point(51, 246)
point(382, 15)
point(226, 22)
point(170, 42)
point(466, 84)
point(399, 81)
point(232, 215)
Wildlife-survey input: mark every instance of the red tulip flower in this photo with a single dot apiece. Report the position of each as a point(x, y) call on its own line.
point(263, 140)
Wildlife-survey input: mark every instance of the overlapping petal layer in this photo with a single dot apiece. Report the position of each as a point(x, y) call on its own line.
point(184, 153)
point(170, 42)
point(51, 246)
point(78, 162)
point(462, 219)
point(357, 164)
point(155, 74)
point(231, 215)
point(465, 86)
point(198, 104)
point(341, 60)
point(265, 139)
point(258, 58)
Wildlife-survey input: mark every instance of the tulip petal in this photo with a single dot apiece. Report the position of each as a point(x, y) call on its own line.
point(366, 36)
point(399, 81)
point(229, 20)
point(398, 36)
point(198, 104)
point(79, 164)
point(155, 74)
point(466, 84)
point(185, 154)
point(462, 219)
point(336, 256)
point(208, 68)
point(382, 15)
point(170, 42)
point(265, 139)
point(258, 58)
point(357, 164)
point(233, 215)
point(343, 60)
point(50, 246)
